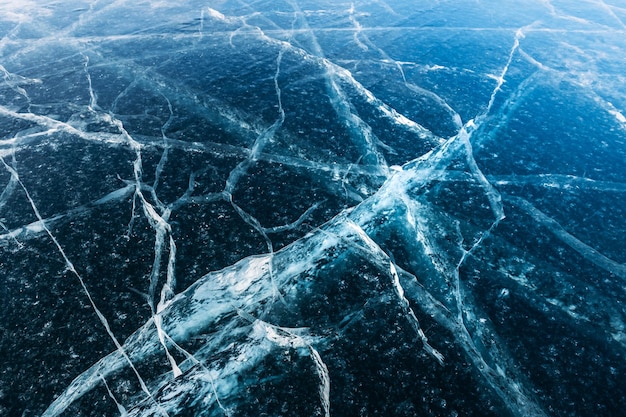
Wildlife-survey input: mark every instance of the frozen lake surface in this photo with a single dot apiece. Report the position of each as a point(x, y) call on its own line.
point(313, 208)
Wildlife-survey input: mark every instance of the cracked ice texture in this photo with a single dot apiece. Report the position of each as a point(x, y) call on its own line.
point(312, 208)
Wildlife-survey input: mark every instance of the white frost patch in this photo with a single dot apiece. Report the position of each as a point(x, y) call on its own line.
point(569, 309)
point(158, 321)
point(256, 267)
point(36, 227)
point(322, 372)
point(235, 280)
point(457, 120)
point(619, 337)
point(216, 15)
point(618, 115)
point(275, 335)
point(396, 280)
point(619, 328)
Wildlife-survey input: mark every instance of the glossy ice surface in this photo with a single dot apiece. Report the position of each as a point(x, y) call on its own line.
point(313, 208)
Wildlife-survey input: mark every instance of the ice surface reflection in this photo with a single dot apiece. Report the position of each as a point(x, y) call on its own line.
point(311, 208)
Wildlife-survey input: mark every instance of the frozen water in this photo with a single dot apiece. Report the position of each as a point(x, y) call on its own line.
point(312, 208)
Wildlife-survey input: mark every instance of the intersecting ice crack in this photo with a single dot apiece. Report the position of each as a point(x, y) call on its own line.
point(234, 306)
point(159, 221)
point(70, 267)
point(283, 336)
point(456, 118)
point(360, 132)
point(600, 4)
point(502, 381)
point(119, 406)
point(585, 250)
